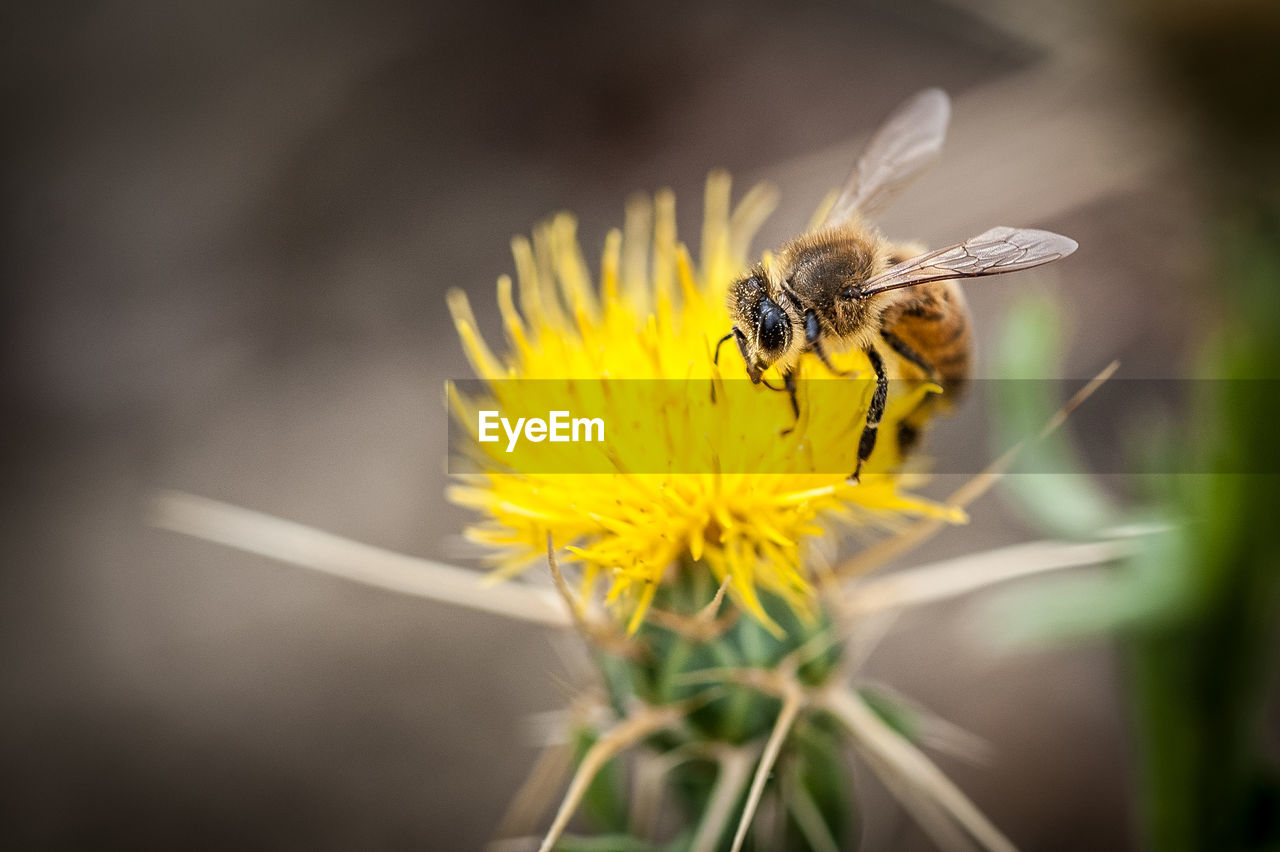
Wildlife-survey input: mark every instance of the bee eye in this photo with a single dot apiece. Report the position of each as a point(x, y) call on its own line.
point(742, 342)
point(774, 327)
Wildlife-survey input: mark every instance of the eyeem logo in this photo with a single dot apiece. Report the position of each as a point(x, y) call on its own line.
point(558, 427)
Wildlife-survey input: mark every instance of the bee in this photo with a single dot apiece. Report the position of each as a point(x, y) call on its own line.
point(843, 286)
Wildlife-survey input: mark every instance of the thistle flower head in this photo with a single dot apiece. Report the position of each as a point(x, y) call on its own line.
point(739, 498)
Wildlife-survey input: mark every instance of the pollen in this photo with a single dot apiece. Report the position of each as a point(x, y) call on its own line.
point(747, 499)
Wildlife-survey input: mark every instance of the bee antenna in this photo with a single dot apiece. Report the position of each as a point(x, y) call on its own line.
point(716, 360)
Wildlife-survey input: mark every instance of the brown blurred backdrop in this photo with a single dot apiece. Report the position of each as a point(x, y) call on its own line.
point(229, 231)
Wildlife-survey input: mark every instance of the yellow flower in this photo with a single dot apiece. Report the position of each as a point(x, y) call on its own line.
point(685, 476)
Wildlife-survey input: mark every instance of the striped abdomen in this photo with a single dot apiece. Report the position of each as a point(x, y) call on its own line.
point(933, 319)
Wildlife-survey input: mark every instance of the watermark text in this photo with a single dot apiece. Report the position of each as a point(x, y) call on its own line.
point(559, 426)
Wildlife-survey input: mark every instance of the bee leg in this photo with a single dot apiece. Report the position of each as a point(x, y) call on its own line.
point(789, 384)
point(909, 427)
point(908, 437)
point(817, 349)
point(813, 340)
point(716, 361)
point(875, 412)
point(721, 342)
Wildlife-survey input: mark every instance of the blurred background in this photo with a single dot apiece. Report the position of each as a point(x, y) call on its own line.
point(229, 230)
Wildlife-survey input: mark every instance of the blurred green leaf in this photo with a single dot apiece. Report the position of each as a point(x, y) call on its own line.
point(1071, 505)
point(894, 713)
point(605, 802)
point(1198, 683)
point(816, 761)
point(605, 843)
point(1150, 587)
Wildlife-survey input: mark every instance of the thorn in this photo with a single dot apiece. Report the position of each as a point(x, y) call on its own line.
point(703, 625)
point(591, 632)
point(626, 733)
point(708, 612)
point(793, 698)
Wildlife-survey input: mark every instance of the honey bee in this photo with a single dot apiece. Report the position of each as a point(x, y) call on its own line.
point(843, 285)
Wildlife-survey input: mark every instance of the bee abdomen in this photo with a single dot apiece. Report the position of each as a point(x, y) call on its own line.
point(934, 322)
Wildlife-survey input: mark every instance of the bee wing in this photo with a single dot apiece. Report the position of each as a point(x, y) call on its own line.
point(907, 142)
point(992, 252)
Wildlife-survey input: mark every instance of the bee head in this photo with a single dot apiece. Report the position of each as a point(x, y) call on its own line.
point(763, 329)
